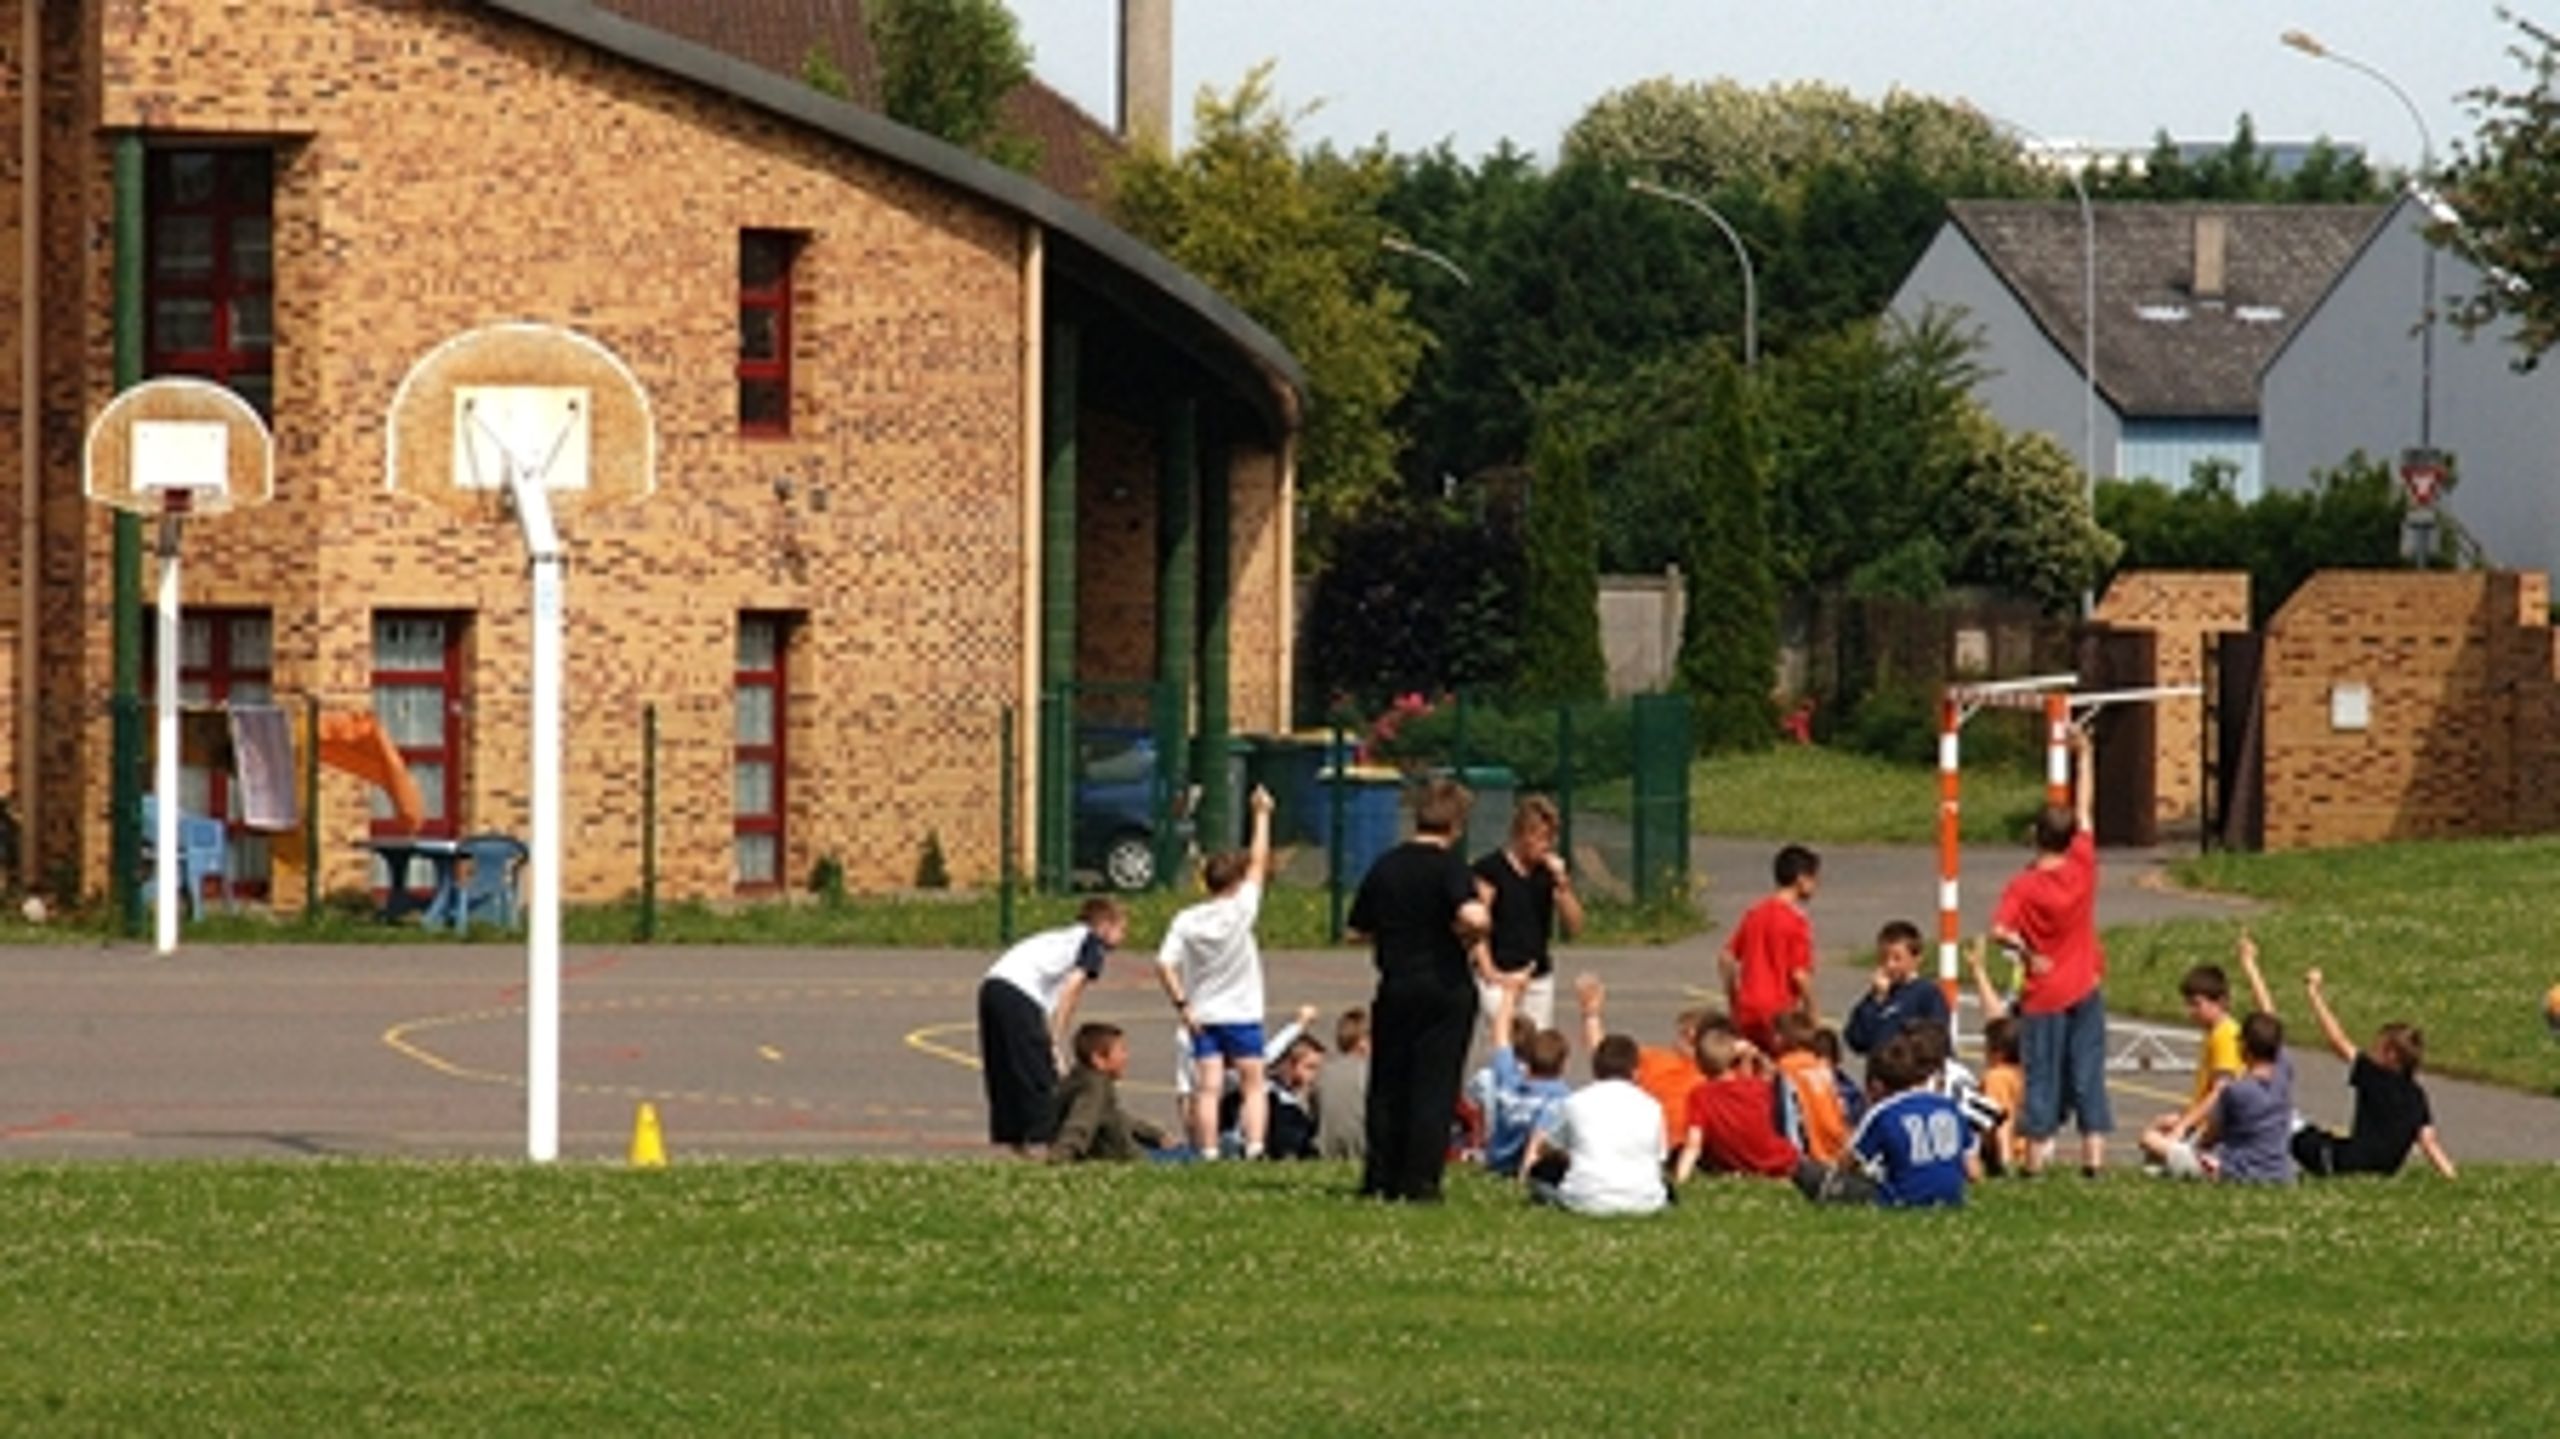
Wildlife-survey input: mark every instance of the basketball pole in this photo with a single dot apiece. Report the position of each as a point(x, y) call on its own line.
point(164, 822)
point(542, 919)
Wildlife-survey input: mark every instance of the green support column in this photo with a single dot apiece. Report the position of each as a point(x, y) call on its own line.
point(1058, 408)
point(124, 761)
point(1218, 829)
point(1177, 603)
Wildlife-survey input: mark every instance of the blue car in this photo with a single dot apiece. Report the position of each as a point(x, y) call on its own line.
point(1116, 806)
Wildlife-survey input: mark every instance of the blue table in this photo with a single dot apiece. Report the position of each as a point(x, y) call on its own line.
point(444, 856)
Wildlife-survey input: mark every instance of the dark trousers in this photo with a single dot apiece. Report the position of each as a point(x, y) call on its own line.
point(1020, 1068)
point(1418, 1037)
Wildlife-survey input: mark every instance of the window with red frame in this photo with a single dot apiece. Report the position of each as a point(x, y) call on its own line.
point(417, 697)
point(225, 657)
point(765, 259)
point(209, 276)
point(759, 785)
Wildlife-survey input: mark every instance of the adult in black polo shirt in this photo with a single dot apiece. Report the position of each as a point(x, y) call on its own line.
point(1528, 889)
point(1418, 908)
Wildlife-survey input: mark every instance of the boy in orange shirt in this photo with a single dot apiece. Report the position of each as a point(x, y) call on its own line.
point(1808, 1092)
point(1669, 1075)
point(1767, 964)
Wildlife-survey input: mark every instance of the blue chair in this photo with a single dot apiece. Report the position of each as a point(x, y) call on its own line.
point(487, 888)
point(204, 852)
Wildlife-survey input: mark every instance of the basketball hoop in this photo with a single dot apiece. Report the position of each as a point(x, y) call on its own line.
point(179, 449)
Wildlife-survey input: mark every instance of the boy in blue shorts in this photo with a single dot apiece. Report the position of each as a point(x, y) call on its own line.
point(1211, 969)
point(1912, 1150)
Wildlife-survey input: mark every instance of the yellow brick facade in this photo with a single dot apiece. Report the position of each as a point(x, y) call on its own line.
point(2184, 610)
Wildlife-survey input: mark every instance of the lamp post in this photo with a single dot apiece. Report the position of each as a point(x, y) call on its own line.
point(1398, 245)
point(2304, 42)
point(1750, 283)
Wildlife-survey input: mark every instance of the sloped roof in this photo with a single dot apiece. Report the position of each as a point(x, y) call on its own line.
point(2164, 350)
point(1106, 259)
point(781, 35)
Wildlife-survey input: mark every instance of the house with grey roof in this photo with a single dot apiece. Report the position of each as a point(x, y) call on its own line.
point(2191, 300)
point(2354, 375)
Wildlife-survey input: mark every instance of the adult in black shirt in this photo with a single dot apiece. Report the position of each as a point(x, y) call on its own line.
point(1527, 887)
point(1418, 908)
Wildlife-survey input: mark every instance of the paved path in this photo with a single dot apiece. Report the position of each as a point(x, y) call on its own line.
point(419, 1050)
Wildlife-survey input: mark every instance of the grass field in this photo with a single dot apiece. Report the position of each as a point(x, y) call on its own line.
point(2455, 937)
point(1824, 796)
point(994, 1299)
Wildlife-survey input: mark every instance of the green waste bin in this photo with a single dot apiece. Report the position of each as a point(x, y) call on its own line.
point(1273, 762)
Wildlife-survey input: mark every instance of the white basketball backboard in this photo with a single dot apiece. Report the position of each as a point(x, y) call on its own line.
point(193, 456)
point(545, 431)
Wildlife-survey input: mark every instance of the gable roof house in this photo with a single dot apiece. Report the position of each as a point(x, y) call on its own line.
point(2355, 376)
point(940, 448)
point(2191, 300)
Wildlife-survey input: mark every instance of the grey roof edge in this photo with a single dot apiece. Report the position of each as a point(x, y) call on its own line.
point(667, 54)
point(2066, 346)
point(2372, 237)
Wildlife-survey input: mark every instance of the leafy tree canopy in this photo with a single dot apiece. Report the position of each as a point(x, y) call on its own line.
point(2505, 183)
point(945, 68)
point(2240, 172)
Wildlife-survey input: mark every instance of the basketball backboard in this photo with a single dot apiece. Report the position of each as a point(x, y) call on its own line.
point(544, 401)
point(179, 446)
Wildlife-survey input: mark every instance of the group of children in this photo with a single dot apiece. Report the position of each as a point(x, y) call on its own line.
point(1758, 1088)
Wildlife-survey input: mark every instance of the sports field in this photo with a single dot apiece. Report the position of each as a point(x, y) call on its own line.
point(991, 1298)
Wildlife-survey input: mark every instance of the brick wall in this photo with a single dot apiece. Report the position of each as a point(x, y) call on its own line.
point(2182, 609)
point(2463, 700)
point(444, 168)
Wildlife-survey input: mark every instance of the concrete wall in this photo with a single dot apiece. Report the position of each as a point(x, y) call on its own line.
point(1640, 622)
point(2349, 380)
point(2030, 383)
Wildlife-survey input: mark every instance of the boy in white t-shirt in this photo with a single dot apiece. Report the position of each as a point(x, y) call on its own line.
point(1609, 1135)
point(1211, 969)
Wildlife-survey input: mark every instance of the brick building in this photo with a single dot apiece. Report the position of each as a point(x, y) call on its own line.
point(933, 438)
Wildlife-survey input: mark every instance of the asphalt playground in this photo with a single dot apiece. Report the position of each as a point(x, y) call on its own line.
point(278, 1051)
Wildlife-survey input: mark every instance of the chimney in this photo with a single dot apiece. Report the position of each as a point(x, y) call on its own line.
point(2213, 236)
point(1146, 73)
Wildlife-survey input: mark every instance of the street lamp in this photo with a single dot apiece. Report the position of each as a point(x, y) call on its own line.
point(2418, 185)
point(1750, 284)
point(1398, 245)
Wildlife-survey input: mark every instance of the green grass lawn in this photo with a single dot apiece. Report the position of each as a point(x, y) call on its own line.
point(1826, 796)
point(996, 1299)
point(2454, 937)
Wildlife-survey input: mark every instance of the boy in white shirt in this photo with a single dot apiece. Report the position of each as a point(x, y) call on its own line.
point(1211, 969)
point(1610, 1136)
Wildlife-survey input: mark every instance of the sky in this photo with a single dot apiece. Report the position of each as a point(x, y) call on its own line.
point(1475, 72)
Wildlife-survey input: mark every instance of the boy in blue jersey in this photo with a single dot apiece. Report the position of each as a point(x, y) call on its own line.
point(1912, 1149)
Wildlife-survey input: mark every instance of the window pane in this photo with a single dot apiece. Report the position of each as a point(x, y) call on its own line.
point(251, 175)
point(252, 642)
point(755, 716)
point(258, 389)
point(412, 715)
point(251, 692)
point(195, 692)
point(182, 324)
point(195, 789)
point(764, 404)
point(195, 642)
point(759, 333)
point(191, 176)
point(759, 643)
point(752, 789)
point(759, 860)
point(253, 248)
point(253, 323)
point(430, 778)
point(252, 857)
point(408, 643)
point(182, 247)
point(764, 258)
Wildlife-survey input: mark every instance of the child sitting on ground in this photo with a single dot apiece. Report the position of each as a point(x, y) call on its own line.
point(1525, 1083)
point(1913, 1150)
point(1949, 1077)
point(1091, 1123)
point(2206, 992)
point(1808, 1097)
point(1853, 1096)
point(1292, 1084)
point(2391, 1108)
point(1732, 1124)
point(2004, 1083)
point(1669, 1075)
point(1608, 1137)
point(2238, 1131)
point(1342, 1090)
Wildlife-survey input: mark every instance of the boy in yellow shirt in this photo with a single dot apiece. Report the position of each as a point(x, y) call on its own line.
point(2207, 992)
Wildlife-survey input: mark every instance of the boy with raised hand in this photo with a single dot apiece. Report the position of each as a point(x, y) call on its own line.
point(1528, 1084)
point(1767, 963)
point(1896, 994)
point(2391, 1107)
point(2048, 918)
point(2207, 994)
point(1211, 969)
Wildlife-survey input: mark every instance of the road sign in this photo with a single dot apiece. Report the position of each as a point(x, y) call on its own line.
point(2427, 474)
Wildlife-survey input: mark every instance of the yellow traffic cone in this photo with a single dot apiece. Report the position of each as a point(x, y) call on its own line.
point(648, 1143)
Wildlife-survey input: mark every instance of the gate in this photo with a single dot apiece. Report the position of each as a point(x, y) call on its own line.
point(1664, 745)
point(2235, 758)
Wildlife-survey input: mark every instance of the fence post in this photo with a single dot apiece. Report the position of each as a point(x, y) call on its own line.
point(1008, 818)
point(1340, 756)
point(311, 811)
point(648, 822)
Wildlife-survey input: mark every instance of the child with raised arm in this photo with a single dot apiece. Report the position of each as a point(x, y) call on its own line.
point(2207, 994)
point(2391, 1107)
point(1527, 1088)
point(1211, 969)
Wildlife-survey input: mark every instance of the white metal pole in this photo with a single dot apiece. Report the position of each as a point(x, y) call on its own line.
point(164, 837)
point(542, 928)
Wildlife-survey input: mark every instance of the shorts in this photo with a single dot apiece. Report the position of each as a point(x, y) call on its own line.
point(1538, 1001)
point(2180, 1160)
point(2066, 1055)
point(1232, 1042)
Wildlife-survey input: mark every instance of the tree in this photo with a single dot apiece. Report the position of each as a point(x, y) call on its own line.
point(2349, 518)
point(1294, 243)
point(1704, 136)
point(945, 68)
point(1729, 644)
point(2505, 184)
point(2241, 172)
point(1560, 656)
point(2018, 518)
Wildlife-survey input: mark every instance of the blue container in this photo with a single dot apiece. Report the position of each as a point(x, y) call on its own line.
point(1372, 818)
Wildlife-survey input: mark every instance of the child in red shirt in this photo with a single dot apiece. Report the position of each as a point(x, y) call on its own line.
point(1768, 962)
point(1732, 1127)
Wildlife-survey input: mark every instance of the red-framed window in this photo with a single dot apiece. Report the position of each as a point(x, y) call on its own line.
point(417, 698)
point(225, 657)
point(209, 274)
point(760, 768)
point(765, 262)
